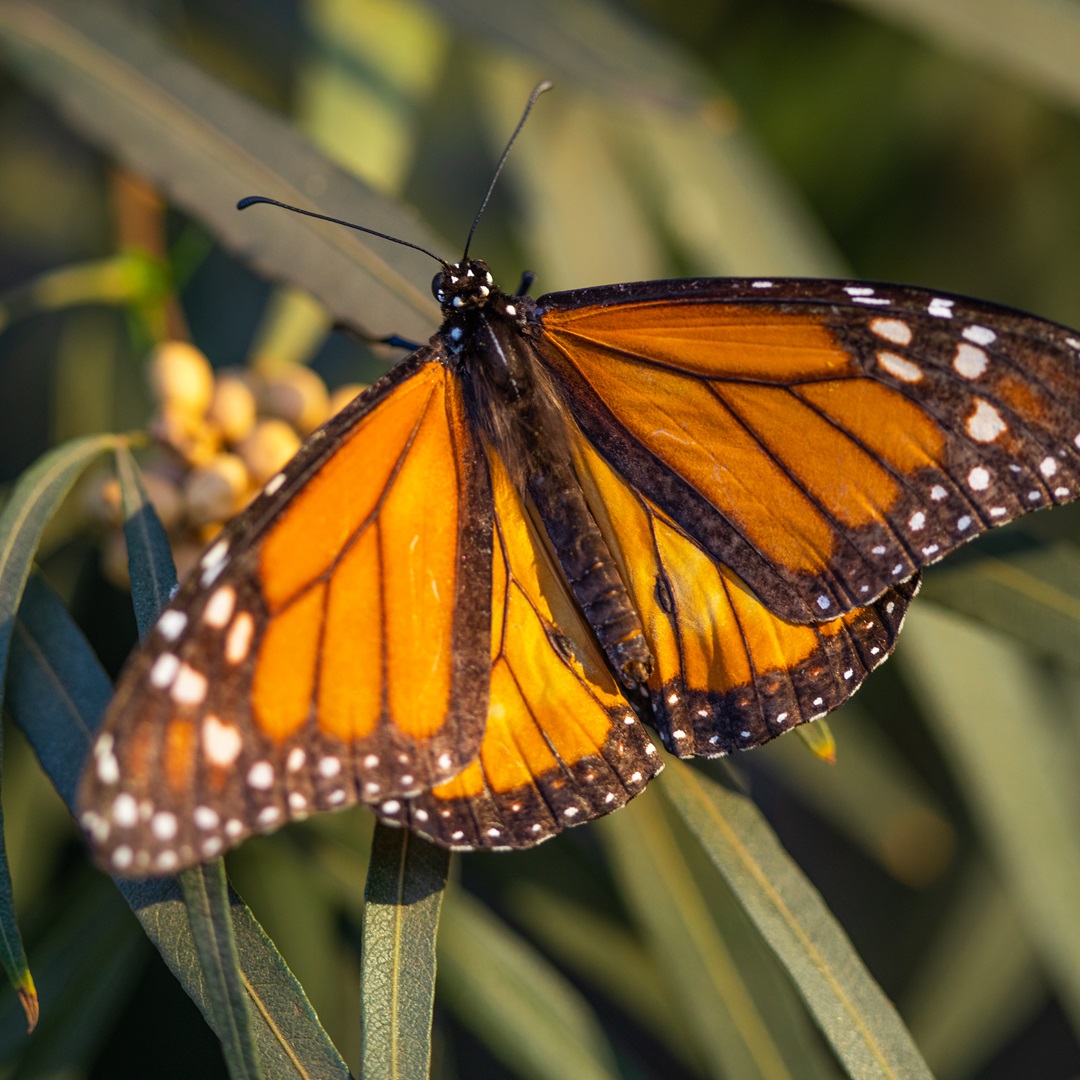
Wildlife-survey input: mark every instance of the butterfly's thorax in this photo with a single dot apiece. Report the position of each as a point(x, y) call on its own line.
point(490, 340)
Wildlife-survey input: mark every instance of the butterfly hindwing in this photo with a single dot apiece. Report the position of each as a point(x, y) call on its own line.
point(332, 646)
point(561, 745)
point(823, 439)
point(728, 674)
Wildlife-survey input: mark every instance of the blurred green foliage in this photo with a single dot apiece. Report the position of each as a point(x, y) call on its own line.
point(933, 143)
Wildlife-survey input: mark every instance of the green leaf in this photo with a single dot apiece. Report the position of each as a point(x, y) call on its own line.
point(402, 901)
point(88, 962)
point(719, 1012)
point(520, 1007)
point(206, 896)
point(1002, 730)
point(658, 122)
point(207, 147)
point(860, 1023)
point(150, 561)
point(38, 493)
point(57, 693)
point(1037, 40)
point(979, 985)
point(1023, 587)
point(605, 954)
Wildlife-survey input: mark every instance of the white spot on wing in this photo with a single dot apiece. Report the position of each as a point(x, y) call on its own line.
point(189, 687)
point(219, 607)
point(969, 361)
point(979, 478)
point(895, 330)
point(940, 307)
point(171, 624)
point(985, 423)
point(222, 743)
point(981, 335)
point(261, 776)
point(164, 670)
point(900, 367)
point(238, 640)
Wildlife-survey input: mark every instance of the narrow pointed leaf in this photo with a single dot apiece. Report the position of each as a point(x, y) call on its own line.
point(150, 561)
point(402, 901)
point(860, 1023)
point(1037, 40)
point(986, 699)
point(718, 1011)
point(207, 147)
point(36, 497)
point(206, 897)
point(57, 695)
point(524, 1011)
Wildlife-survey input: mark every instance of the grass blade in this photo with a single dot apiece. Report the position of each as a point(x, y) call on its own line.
point(860, 1023)
point(402, 901)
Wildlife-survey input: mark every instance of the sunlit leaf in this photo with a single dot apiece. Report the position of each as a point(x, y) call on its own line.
point(853, 1013)
point(406, 879)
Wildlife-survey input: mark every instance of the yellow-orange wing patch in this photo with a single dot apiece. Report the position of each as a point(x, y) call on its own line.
point(561, 745)
point(333, 645)
point(728, 674)
point(823, 439)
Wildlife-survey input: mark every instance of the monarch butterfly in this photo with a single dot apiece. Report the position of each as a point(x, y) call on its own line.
point(703, 504)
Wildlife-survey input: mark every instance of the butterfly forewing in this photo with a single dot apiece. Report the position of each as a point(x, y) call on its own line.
point(332, 647)
point(823, 439)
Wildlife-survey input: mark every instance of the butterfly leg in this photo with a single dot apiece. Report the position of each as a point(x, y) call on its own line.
point(392, 340)
point(527, 278)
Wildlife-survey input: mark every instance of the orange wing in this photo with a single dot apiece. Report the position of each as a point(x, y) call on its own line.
point(728, 674)
point(828, 443)
point(560, 745)
point(332, 647)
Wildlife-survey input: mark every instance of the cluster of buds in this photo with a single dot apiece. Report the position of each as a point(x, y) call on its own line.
point(218, 437)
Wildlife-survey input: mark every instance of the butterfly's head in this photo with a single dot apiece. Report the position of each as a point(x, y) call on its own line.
point(463, 285)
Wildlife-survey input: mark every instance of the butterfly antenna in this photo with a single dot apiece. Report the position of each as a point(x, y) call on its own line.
point(502, 161)
point(251, 200)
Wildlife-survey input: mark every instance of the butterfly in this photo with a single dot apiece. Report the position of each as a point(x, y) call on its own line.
point(698, 504)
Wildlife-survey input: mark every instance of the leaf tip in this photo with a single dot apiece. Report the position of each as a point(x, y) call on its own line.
point(29, 999)
point(819, 738)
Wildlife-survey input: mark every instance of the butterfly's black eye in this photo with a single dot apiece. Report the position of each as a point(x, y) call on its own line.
point(436, 286)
